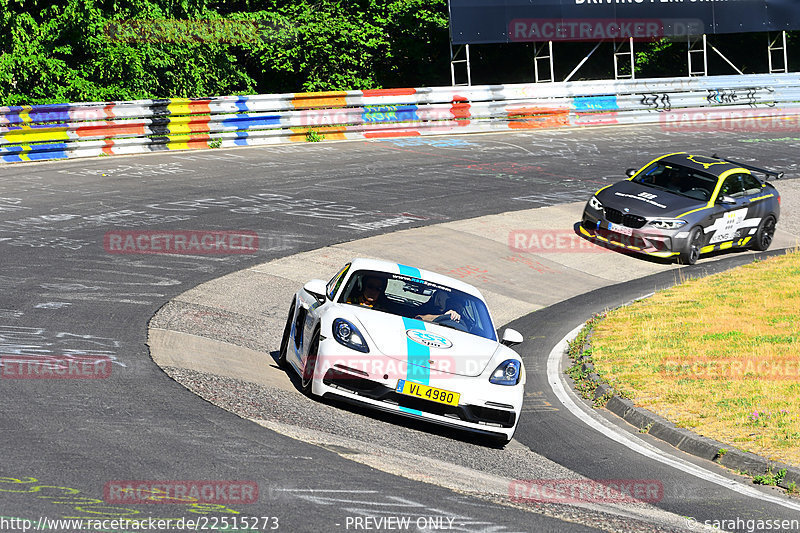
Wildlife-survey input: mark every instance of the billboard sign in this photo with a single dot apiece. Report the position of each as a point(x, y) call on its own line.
point(506, 21)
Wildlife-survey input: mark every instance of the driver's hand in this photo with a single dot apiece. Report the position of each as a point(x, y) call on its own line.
point(453, 315)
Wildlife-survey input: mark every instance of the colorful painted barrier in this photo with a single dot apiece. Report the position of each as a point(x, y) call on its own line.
point(30, 133)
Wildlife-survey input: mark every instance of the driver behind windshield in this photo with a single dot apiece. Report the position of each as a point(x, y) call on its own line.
point(372, 293)
point(437, 306)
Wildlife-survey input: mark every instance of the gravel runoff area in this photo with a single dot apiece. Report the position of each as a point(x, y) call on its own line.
point(365, 434)
point(790, 204)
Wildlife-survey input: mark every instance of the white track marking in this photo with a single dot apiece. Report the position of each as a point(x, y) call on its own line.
point(570, 400)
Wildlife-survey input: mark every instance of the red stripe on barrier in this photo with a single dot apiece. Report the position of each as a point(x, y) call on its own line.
point(388, 92)
point(107, 149)
point(460, 110)
point(200, 106)
point(109, 129)
point(199, 124)
point(534, 118)
point(378, 134)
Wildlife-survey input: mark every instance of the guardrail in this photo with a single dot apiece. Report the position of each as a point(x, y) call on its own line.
point(60, 131)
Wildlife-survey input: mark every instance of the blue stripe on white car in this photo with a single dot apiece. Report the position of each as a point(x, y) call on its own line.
point(418, 355)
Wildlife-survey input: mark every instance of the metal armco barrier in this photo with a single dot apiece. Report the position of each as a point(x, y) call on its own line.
point(60, 131)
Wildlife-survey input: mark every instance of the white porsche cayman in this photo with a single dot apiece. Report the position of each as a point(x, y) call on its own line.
point(407, 341)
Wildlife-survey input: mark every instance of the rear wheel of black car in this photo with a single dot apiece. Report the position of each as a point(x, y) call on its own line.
point(311, 364)
point(691, 251)
point(764, 234)
point(287, 330)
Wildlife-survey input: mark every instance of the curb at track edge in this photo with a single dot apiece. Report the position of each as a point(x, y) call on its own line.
point(681, 438)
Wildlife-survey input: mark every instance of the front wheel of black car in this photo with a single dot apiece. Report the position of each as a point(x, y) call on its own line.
point(691, 251)
point(764, 234)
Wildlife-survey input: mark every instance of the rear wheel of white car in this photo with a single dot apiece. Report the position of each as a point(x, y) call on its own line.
point(287, 330)
point(764, 234)
point(691, 250)
point(311, 364)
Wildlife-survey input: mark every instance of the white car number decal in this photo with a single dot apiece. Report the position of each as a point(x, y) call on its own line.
point(725, 227)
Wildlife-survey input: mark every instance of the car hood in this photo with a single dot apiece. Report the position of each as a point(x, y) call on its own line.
point(646, 201)
point(425, 345)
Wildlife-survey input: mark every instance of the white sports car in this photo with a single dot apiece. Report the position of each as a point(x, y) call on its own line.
point(408, 341)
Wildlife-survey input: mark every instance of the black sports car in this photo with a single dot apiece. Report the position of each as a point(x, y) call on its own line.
point(685, 205)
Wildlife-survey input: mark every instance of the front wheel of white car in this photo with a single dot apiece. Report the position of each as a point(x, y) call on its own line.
point(287, 330)
point(311, 365)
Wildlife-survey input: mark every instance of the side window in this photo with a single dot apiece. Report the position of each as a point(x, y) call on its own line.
point(751, 184)
point(732, 186)
point(336, 281)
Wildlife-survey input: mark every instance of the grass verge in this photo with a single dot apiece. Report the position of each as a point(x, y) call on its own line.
point(717, 355)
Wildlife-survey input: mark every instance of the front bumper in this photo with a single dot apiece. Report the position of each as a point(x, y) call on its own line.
point(644, 240)
point(483, 407)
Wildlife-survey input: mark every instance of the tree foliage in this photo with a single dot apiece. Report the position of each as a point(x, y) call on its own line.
point(100, 50)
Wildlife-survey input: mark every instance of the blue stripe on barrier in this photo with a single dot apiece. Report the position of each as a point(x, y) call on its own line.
point(241, 103)
point(248, 121)
point(595, 103)
point(20, 156)
point(34, 148)
point(49, 116)
point(40, 156)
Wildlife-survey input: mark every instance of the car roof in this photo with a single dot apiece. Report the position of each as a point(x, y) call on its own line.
point(702, 163)
point(379, 265)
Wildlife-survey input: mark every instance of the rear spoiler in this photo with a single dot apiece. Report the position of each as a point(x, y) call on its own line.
point(767, 173)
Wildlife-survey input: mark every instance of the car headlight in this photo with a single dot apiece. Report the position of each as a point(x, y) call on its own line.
point(666, 223)
point(348, 335)
point(507, 373)
point(594, 203)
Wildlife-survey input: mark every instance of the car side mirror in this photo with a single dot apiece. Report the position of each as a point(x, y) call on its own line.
point(729, 200)
point(316, 288)
point(630, 172)
point(511, 337)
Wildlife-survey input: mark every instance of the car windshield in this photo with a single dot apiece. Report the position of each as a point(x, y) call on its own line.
point(677, 179)
point(417, 298)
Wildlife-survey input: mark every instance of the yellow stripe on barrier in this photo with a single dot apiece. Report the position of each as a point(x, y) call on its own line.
point(192, 142)
point(25, 115)
point(321, 99)
point(179, 125)
point(27, 134)
point(179, 106)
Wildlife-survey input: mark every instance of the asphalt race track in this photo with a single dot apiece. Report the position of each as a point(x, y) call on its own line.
point(66, 441)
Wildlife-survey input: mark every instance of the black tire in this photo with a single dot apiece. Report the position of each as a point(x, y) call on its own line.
point(285, 339)
point(691, 251)
point(763, 237)
point(311, 365)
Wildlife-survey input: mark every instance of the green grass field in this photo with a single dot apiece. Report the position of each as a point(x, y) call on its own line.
point(717, 355)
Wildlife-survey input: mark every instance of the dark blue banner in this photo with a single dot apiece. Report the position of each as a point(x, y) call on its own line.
point(504, 21)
